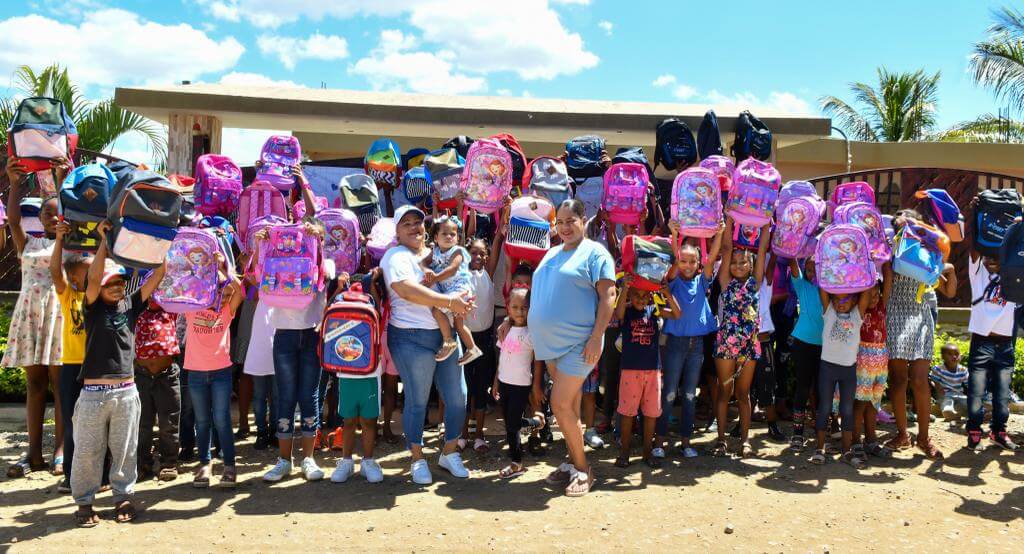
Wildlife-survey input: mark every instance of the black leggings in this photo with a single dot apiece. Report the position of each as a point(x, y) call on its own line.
point(806, 361)
point(832, 375)
point(480, 372)
point(514, 399)
point(763, 390)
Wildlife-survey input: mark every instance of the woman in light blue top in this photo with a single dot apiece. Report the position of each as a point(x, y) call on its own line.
point(571, 303)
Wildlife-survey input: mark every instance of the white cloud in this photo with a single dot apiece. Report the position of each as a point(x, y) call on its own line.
point(316, 47)
point(393, 65)
point(255, 80)
point(274, 13)
point(664, 80)
point(573, 2)
point(504, 92)
point(244, 145)
point(227, 12)
point(683, 92)
point(789, 102)
point(785, 102)
point(114, 47)
point(606, 26)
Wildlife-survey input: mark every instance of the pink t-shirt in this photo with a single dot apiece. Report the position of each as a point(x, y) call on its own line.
point(515, 365)
point(208, 339)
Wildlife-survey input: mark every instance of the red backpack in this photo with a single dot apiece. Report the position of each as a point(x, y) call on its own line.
point(350, 334)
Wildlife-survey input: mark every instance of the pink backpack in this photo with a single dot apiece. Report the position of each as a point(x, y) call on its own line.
point(258, 200)
point(190, 283)
point(697, 202)
point(843, 260)
point(755, 189)
point(288, 267)
point(487, 177)
point(857, 191)
point(218, 185)
point(381, 238)
point(279, 155)
point(248, 239)
point(299, 208)
point(342, 240)
point(797, 216)
point(867, 217)
point(625, 192)
point(723, 168)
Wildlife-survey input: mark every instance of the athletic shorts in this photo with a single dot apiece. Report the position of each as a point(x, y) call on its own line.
point(640, 391)
point(359, 397)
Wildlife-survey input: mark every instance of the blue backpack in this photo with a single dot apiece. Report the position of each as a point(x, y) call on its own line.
point(415, 185)
point(995, 212)
point(709, 139)
point(83, 200)
point(674, 144)
point(583, 156)
point(1011, 264)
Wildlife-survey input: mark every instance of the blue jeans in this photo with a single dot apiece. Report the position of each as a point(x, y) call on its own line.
point(990, 364)
point(264, 390)
point(211, 394)
point(413, 351)
point(681, 359)
point(297, 374)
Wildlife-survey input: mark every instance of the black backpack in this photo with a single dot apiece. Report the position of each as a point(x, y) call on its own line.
point(460, 144)
point(709, 140)
point(635, 155)
point(583, 156)
point(993, 215)
point(674, 144)
point(1011, 265)
point(752, 138)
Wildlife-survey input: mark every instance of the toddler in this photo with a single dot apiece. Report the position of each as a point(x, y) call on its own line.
point(447, 267)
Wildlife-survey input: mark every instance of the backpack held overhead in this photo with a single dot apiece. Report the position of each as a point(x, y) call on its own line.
point(724, 171)
point(753, 139)
point(515, 151)
point(145, 212)
point(280, 153)
point(856, 191)
point(843, 260)
point(625, 193)
point(383, 163)
point(994, 213)
point(83, 201)
point(709, 138)
point(648, 260)
point(755, 189)
point(674, 147)
point(41, 131)
point(487, 177)
point(797, 217)
point(289, 267)
point(697, 203)
point(381, 238)
point(350, 336)
point(867, 217)
point(190, 282)
point(548, 177)
point(943, 211)
point(444, 173)
point(583, 156)
point(920, 253)
point(29, 209)
point(1011, 264)
point(529, 228)
point(359, 194)
point(258, 200)
point(299, 207)
point(342, 240)
point(415, 185)
point(218, 185)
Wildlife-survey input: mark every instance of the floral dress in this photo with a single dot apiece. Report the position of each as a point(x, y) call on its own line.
point(738, 315)
point(34, 337)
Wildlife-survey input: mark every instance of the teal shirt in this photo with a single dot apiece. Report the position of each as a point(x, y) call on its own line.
point(810, 321)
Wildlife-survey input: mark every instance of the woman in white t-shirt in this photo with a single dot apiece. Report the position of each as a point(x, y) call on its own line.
point(414, 339)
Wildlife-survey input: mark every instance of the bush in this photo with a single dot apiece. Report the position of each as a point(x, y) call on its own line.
point(12, 379)
point(1016, 383)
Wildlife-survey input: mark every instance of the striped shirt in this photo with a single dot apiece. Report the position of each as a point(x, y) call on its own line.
point(950, 381)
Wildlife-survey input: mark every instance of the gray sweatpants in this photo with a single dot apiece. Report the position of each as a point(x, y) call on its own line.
point(105, 419)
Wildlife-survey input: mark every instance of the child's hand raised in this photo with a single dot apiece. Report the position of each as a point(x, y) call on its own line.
point(103, 227)
point(62, 228)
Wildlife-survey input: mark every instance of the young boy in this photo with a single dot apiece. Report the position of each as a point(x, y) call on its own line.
point(640, 378)
point(157, 378)
point(107, 412)
point(950, 382)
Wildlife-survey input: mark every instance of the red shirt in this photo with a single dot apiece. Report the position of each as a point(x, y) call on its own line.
point(873, 328)
point(155, 334)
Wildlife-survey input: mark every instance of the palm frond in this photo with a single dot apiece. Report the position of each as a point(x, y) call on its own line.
point(106, 122)
point(848, 119)
point(900, 108)
point(987, 128)
point(998, 61)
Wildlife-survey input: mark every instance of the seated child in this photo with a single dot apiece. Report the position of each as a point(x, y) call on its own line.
point(949, 383)
point(447, 267)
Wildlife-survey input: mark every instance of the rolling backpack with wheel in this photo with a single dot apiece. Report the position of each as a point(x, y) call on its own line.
point(280, 153)
point(648, 260)
point(258, 200)
point(444, 172)
point(190, 282)
point(625, 193)
point(350, 335)
point(995, 212)
point(41, 131)
point(867, 217)
point(709, 138)
point(487, 177)
point(754, 192)
point(1011, 264)
point(798, 214)
point(289, 267)
point(674, 144)
point(753, 139)
point(342, 240)
point(359, 194)
point(548, 177)
point(529, 229)
point(218, 185)
point(83, 201)
point(843, 260)
point(583, 156)
point(145, 212)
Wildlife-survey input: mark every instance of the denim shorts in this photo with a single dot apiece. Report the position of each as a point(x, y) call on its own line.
point(590, 384)
point(572, 362)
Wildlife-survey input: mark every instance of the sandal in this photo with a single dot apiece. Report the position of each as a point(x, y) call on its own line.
point(125, 512)
point(447, 349)
point(930, 451)
point(460, 444)
point(481, 447)
point(201, 477)
point(23, 467)
point(831, 449)
point(855, 461)
point(57, 468)
point(85, 516)
point(818, 458)
point(512, 470)
point(898, 444)
point(580, 484)
point(560, 476)
point(228, 477)
point(622, 461)
point(796, 442)
point(744, 450)
point(720, 449)
point(168, 473)
point(878, 450)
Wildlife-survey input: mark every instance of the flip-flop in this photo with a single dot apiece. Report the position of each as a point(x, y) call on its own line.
point(125, 512)
point(57, 468)
point(512, 470)
point(930, 451)
point(23, 467)
point(481, 447)
point(86, 519)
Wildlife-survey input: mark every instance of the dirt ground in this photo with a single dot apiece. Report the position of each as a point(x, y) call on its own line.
point(774, 502)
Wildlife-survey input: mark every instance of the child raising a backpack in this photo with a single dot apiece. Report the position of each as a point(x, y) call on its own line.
point(447, 268)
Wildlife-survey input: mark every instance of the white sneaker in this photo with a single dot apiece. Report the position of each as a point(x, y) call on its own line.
point(371, 470)
point(593, 439)
point(280, 470)
point(453, 463)
point(343, 470)
point(471, 355)
point(310, 470)
point(421, 473)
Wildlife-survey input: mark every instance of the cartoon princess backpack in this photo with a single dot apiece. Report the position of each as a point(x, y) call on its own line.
point(190, 283)
point(625, 192)
point(342, 240)
point(843, 260)
point(797, 216)
point(755, 189)
point(487, 177)
point(288, 267)
point(697, 202)
point(280, 153)
point(867, 217)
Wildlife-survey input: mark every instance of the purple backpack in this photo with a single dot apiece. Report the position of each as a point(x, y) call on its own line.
point(867, 217)
point(797, 216)
point(697, 202)
point(755, 189)
point(342, 240)
point(843, 260)
point(856, 191)
point(288, 267)
point(381, 238)
point(487, 177)
point(190, 283)
point(218, 185)
point(277, 158)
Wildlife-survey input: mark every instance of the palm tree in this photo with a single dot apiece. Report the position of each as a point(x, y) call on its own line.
point(986, 128)
point(901, 108)
point(99, 124)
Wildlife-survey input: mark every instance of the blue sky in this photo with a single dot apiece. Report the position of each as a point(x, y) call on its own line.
point(782, 55)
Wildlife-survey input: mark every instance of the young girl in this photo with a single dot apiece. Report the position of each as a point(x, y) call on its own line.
point(683, 353)
point(447, 267)
point(736, 346)
point(805, 351)
point(513, 383)
point(209, 367)
point(840, 343)
point(480, 372)
point(872, 371)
